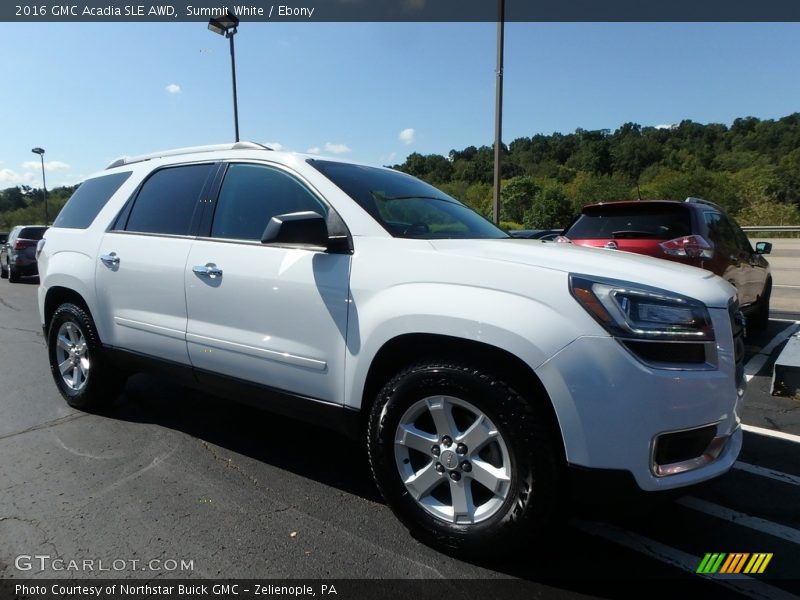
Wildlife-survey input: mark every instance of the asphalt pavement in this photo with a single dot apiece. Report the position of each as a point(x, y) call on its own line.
point(171, 475)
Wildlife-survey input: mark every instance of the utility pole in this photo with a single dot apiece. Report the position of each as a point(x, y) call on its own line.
point(498, 111)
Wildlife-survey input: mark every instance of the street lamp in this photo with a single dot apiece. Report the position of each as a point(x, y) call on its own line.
point(40, 152)
point(226, 25)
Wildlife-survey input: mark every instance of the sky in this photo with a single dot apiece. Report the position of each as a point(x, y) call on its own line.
point(89, 93)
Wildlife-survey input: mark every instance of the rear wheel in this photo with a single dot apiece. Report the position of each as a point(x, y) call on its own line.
point(462, 459)
point(84, 378)
point(13, 276)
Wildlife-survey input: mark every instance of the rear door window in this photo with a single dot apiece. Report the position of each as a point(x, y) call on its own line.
point(168, 199)
point(720, 230)
point(92, 195)
point(645, 221)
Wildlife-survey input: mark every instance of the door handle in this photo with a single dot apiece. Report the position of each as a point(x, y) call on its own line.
point(209, 270)
point(110, 260)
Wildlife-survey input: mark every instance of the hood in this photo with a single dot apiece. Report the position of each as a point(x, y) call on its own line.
point(599, 262)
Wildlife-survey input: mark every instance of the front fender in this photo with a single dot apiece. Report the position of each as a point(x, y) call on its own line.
point(529, 329)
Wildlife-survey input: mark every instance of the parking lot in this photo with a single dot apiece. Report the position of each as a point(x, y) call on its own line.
point(169, 475)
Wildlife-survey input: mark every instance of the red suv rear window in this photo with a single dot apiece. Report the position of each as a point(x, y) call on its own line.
point(631, 221)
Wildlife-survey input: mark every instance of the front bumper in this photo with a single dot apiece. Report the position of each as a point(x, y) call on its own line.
point(612, 409)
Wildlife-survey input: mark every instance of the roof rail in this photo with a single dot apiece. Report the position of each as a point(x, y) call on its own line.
point(127, 160)
point(694, 200)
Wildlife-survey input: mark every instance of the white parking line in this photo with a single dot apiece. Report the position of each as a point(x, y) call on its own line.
point(739, 518)
point(769, 473)
point(742, 584)
point(788, 437)
point(757, 361)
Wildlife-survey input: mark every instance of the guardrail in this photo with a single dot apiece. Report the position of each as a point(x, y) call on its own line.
point(772, 228)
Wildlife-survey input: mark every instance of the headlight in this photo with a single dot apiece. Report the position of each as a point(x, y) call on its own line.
point(639, 312)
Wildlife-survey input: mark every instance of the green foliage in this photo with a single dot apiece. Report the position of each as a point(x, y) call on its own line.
point(768, 212)
point(752, 163)
point(589, 188)
point(551, 209)
point(511, 225)
point(28, 205)
point(517, 194)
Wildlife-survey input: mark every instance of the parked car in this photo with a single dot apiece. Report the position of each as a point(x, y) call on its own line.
point(694, 232)
point(3, 237)
point(547, 235)
point(18, 254)
point(484, 376)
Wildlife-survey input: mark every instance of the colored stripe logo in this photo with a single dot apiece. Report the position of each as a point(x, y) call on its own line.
point(736, 562)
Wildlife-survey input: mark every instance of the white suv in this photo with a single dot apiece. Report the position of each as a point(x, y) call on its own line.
point(485, 373)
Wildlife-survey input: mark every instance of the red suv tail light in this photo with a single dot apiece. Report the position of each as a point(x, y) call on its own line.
point(692, 246)
point(20, 244)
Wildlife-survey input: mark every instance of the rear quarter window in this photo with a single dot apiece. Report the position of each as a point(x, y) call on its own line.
point(87, 201)
point(32, 233)
point(661, 222)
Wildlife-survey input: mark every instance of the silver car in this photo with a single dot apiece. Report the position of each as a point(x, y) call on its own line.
point(18, 254)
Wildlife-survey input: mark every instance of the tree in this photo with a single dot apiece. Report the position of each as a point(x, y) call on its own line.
point(516, 197)
point(551, 209)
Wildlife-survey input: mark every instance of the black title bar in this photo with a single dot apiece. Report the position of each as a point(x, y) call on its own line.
point(406, 10)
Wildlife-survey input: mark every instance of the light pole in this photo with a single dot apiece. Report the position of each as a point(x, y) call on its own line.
point(498, 111)
point(40, 152)
point(226, 26)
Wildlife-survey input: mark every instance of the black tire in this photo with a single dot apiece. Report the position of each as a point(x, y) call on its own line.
point(13, 276)
point(535, 489)
point(760, 318)
point(103, 382)
point(3, 272)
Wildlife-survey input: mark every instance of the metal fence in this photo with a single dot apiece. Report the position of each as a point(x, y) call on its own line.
point(772, 228)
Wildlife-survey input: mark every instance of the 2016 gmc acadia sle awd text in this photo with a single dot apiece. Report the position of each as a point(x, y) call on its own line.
point(484, 373)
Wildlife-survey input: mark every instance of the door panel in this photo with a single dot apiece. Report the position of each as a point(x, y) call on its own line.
point(275, 316)
point(141, 298)
point(140, 267)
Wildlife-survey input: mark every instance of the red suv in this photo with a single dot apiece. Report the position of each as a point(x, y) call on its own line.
point(695, 232)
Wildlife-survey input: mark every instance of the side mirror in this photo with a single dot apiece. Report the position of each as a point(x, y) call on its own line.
point(305, 227)
point(763, 248)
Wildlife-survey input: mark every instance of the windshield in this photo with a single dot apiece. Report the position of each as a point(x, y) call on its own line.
point(405, 206)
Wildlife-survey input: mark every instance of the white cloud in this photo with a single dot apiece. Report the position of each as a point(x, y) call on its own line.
point(173, 88)
point(274, 145)
point(667, 126)
point(314, 150)
point(9, 177)
point(336, 148)
point(407, 135)
point(49, 165)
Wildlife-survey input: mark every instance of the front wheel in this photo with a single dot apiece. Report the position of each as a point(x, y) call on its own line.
point(84, 378)
point(462, 459)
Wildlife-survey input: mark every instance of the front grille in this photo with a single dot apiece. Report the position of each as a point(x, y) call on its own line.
point(738, 322)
